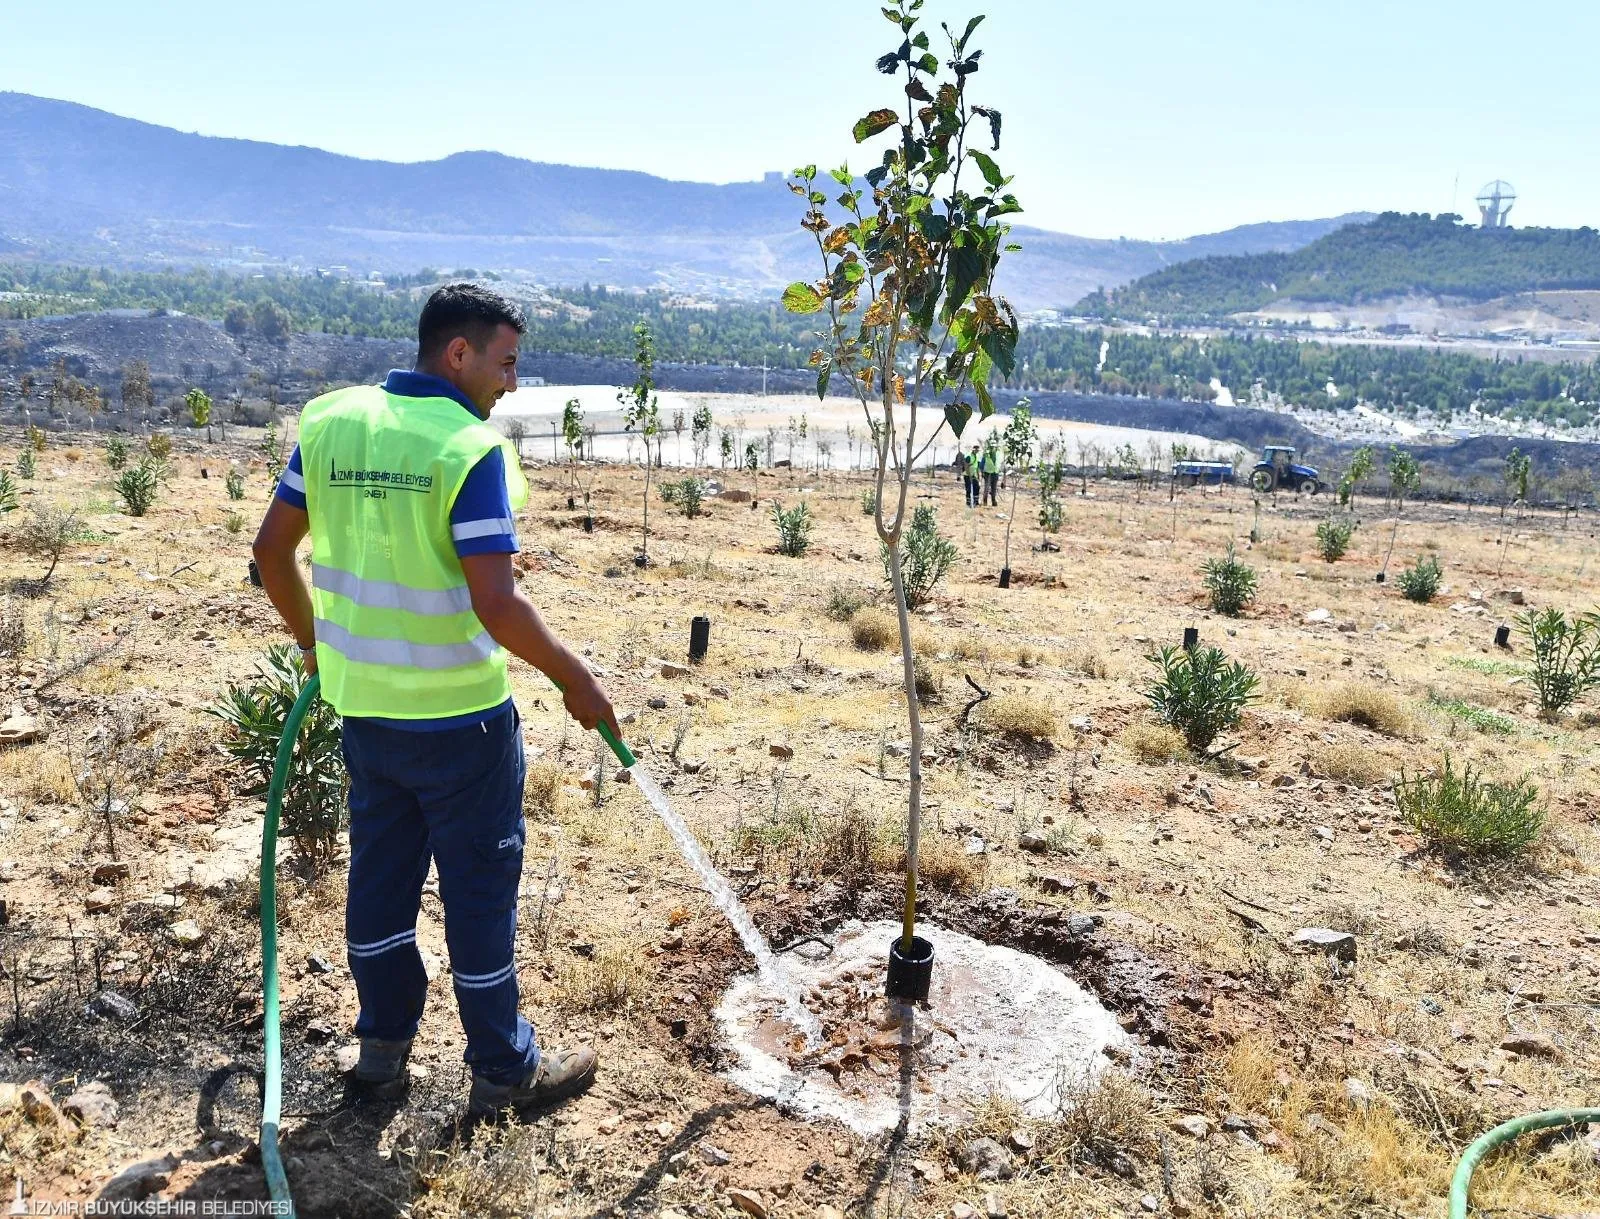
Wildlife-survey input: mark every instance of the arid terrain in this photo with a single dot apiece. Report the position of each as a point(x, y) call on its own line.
point(1269, 1081)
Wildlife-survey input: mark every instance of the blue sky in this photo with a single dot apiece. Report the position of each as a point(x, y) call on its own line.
point(1143, 119)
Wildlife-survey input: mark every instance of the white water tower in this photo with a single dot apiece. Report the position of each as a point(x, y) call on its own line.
point(1494, 204)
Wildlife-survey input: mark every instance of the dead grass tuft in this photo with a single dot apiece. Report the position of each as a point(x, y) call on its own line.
point(1153, 744)
point(1368, 707)
point(613, 979)
point(1086, 662)
point(495, 1172)
point(1020, 715)
point(943, 865)
point(542, 790)
point(1348, 762)
point(873, 629)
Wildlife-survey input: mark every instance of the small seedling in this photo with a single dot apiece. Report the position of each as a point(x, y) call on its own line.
point(233, 522)
point(794, 528)
point(137, 486)
point(1230, 583)
point(25, 466)
point(925, 556)
point(1566, 656)
point(1333, 538)
point(116, 452)
point(234, 483)
point(1199, 693)
point(1420, 582)
point(8, 492)
point(869, 502)
point(45, 533)
point(36, 438)
point(1462, 813)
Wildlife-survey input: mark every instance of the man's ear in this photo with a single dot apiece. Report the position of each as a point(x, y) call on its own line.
point(455, 353)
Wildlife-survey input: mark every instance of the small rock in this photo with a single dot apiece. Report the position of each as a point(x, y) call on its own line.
point(187, 932)
point(963, 1210)
point(829, 1212)
point(1033, 842)
point(19, 729)
point(1349, 628)
point(691, 699)
point(138, 1180)
point(1340, 944)
point(92, 1105)
point(749, 1202)
point(346, 1057)
point(692, 766)
point(623, 776)
point(993, 1207)
point(1529, 1045)
point(1358, 1092)
point(656, 703)
point(1193, 1125)
point(714, 1155)
point(318, 964)
point(669, 668)
point(927, 1170)
point(665, 1129)
point(1081, 924)
point(36, 1104)
point(113, 1006)
point(721, 692)
point(1283, 780)
point(782, 752)
point(1319, 615)
point(986, 1160)
point(109, 873)
point(1057, 884)
point(319, 1031)
point(99, 901)
point(1020, 1140)
point(1150, 1203)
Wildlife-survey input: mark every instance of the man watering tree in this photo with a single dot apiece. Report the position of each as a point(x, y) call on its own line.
point(409, 496)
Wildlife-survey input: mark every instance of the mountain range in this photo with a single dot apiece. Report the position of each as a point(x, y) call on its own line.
point(83, 185)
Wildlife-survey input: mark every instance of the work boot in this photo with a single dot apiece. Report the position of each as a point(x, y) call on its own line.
point(381, 1069)
point(560, 1074)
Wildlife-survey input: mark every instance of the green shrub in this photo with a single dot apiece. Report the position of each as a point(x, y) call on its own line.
point(1566, 656)
point(25, 467)
point(794, 528)
point(1420, 582)
point(844, 600)
point(8, 492)
point(137, 486)
point(1230, 583)
point(36, 438)
point(1462, 813)
point(1474, 716)
point(925, 556)
point(234, 483)
point(869, 501)
point(116, 452)
point(159, 446)
point(254, 712)
point(1333, 538)
point(234, 522)
point(1199, 693)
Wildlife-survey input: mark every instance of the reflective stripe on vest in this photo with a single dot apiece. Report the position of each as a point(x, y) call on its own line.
point(396, 635)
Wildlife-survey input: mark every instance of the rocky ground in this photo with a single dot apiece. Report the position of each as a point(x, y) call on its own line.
point(1325, 1009)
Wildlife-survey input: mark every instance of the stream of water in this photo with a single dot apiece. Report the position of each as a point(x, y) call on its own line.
point(723, 896)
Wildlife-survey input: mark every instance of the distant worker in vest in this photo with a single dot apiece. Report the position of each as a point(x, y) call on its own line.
point(409, 496)
point(972, 473)
point(991, 471)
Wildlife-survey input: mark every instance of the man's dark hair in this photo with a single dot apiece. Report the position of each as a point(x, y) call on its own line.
point(464, 310)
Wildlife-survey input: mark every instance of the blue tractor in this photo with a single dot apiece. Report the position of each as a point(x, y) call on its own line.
point(1277, 469)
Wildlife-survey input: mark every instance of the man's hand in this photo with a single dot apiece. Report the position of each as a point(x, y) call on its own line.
point(308, 661)
point(587, 703)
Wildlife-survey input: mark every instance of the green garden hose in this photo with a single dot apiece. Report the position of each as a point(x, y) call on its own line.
point(272, 1047)
point(272, 1043)
point(1462, 1181)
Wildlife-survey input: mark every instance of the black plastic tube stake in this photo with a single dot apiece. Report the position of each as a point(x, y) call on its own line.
point(1191, 638)
point(699, 637)
point(1005, 577)
point(910, 973)
point(1502, 636)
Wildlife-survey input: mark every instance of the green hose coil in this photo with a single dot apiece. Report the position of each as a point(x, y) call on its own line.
point(272, 1042)
point(1482, 1146)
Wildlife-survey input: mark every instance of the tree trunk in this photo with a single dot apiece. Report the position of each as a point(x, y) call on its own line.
point(644, 553)
point(1011, 516)
point(914, 714)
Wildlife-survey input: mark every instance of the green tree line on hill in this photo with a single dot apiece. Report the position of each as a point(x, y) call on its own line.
point(597, 321)
point(1391, 256)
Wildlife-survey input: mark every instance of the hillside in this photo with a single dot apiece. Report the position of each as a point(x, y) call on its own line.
point(1393, 256)
point(82, 185)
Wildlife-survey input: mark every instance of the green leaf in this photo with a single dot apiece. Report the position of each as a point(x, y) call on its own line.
point(801, 297)
point(928, 62)
point(872, 124)
point(842, 176)
point(966, 269)
point(888, 64)
point(823, 375)
point(956, 414)
point(891, 15)
point(994, 127)
point(972, 24)
point(978, 374)
point(934, 226)
point(921, 40)
point(985, 402)
point(1001, 347)
point(991, 171)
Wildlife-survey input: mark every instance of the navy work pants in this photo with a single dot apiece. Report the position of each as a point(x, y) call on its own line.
point(972, 485)
point(454, 796)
